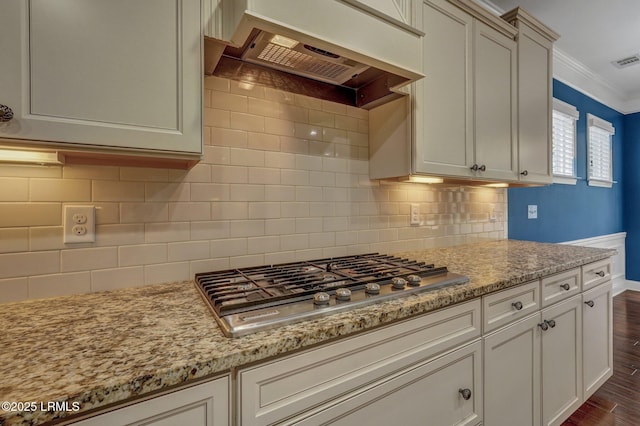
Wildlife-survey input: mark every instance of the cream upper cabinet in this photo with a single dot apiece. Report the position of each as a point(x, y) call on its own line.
point(113, 74)
point(462, 122)
point(535, 93)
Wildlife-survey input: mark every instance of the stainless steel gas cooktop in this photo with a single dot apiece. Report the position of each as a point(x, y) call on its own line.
point(248, 300)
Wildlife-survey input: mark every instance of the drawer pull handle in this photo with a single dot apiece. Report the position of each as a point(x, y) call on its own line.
point(517, 305)
point(589, 303)
point(551, 323)
point(544, 326)
point(466, 393)
point(565, 286)
point(600, 274)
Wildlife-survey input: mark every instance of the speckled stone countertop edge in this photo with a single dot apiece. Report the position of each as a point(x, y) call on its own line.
point(262, 346)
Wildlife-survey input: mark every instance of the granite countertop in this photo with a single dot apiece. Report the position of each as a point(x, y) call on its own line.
point(98, 349)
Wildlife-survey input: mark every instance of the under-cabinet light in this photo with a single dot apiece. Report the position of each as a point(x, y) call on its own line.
point(284, 41)
point(497, 185)
point(29, 157)
point(425, 179)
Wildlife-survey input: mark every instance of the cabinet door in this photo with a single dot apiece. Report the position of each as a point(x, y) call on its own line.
point(561, 360)
point(534, 115)
point(512, 374)
point(108, 73)
point(431, 393)
point(597, 337)
point(495, 103)
point(444, 105)
point(206, 404)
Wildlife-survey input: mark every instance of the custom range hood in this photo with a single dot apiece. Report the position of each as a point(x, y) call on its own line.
point(356, 52)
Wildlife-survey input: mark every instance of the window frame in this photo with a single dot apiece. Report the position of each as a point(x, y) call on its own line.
point(602, 125)
point(573, 113)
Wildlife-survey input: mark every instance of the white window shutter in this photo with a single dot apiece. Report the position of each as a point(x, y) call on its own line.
point(564, 142)
point(600, 156)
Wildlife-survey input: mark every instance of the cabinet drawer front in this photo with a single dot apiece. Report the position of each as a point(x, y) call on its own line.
point(430, 393)
point(560, 286)
point(595, 273)
point(277, 390)
point(509, 305)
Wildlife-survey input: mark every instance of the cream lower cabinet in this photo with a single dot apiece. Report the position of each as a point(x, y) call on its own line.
point(206, 404)
point(426, 370)
point(533, 368)
point(597, 338)
point(561, 360)
point(107, 75)
point(512, 374)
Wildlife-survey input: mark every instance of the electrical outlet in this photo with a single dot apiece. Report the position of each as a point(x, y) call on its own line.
point(79, 224)
point(414, 216)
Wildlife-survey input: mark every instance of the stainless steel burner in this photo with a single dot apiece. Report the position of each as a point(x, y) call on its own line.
point(252, 299)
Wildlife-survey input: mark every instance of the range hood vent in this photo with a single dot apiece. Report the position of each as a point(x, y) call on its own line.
point(362, 57)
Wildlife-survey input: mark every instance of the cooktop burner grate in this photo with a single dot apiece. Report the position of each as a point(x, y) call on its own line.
point(290, 291)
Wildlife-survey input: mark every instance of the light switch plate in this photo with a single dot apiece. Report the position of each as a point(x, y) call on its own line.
point(532, 211)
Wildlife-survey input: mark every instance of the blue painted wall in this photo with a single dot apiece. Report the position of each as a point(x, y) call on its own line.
point(571, 212)
point(632, 191)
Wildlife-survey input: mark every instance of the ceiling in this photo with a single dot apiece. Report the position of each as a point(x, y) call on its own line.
point(593, 34)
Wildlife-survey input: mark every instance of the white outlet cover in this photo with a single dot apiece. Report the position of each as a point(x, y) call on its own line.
point(532, 211)
point(72, 224)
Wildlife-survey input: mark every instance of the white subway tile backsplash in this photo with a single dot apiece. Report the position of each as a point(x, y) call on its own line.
point(14, 290)
point(167, 232)
point(106, 190)
point(166, 272)
point(32, 214)
point(188, 250)
point(246, 228)
point(228, 247)
point(59, 285)
point(88, 259)
point(247, 157)
point(283, 177)
point(14, 189)
point(14, 240)
point(141, 254)
point(144, 212)
point(45, 238)
point(112, 279)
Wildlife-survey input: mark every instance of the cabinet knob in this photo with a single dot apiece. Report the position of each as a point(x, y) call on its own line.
point(524, 173)
point(474, 167)
point(466, 393)
point(517, 305)
point(589, 303)
point(600, 273)
point(544, 326)
point(565, 286)
point(551, 323)
point(6, 113)
point(483, 168)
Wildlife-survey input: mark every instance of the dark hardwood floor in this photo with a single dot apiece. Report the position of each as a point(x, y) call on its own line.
point(617, 402)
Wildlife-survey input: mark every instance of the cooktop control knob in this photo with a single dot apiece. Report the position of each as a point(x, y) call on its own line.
point(343, 294)
point(414, 280)
point(321, 298)
point(372, 288)
point(398, 283)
